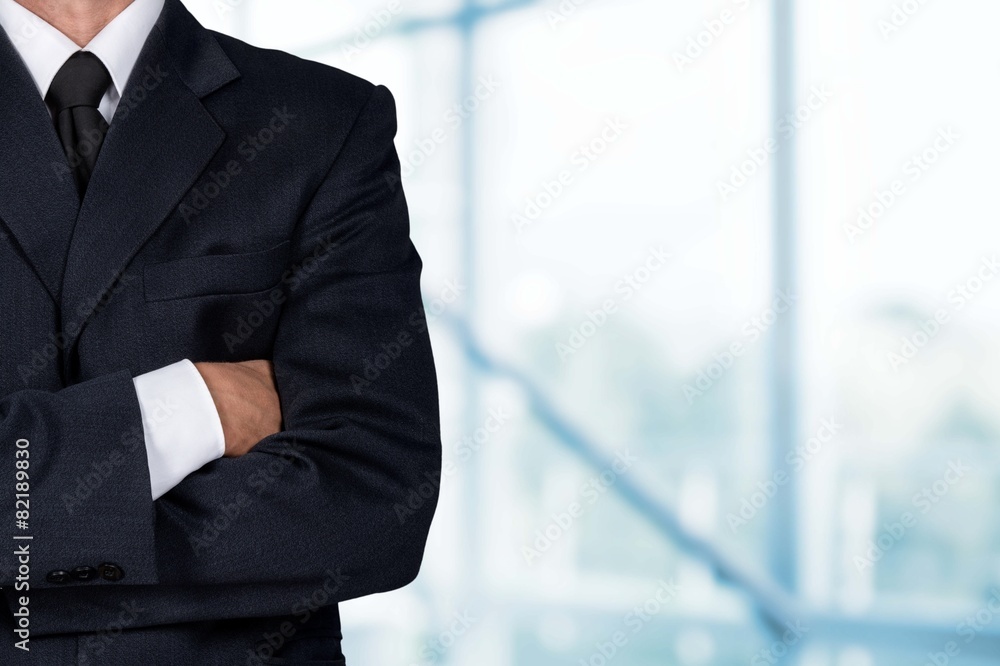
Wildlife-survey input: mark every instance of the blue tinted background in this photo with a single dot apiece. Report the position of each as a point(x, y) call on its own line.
point(806, 391)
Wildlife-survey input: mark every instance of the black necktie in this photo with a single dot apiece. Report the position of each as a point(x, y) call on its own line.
point(74, 96)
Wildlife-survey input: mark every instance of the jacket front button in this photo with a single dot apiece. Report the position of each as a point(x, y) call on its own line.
point(58, 577)
point(111, 572)
point(84, 573)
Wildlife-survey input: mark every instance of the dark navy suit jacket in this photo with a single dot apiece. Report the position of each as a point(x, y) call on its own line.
point(246, 205)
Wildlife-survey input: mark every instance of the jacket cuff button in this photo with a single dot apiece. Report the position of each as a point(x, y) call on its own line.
point(84, 574)
point(111, 572)
point(58, 577)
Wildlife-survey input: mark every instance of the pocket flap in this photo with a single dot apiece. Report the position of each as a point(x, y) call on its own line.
point(216, 274)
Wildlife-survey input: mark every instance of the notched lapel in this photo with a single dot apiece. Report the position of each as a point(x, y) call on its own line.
point(38, 199)
point(160, 141)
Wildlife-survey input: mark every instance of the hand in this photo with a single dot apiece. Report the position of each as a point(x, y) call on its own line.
point(247, 400)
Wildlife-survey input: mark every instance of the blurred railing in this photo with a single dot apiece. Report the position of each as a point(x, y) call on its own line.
point(770, 594)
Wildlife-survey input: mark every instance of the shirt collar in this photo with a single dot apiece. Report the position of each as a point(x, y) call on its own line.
point(45, 50)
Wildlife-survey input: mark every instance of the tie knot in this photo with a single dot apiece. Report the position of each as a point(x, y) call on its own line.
point(81, 81)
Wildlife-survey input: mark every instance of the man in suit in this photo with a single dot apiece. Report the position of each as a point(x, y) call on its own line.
point(218, 405)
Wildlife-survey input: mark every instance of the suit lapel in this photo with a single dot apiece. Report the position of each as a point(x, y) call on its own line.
point(38, 199)
point(159, 142)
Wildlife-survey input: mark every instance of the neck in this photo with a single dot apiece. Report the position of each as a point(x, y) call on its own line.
point(80, 20)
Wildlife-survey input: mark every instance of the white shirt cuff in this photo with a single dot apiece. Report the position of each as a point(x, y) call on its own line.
point(180, 423)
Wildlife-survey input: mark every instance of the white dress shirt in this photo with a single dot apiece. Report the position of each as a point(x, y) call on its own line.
point(181, 425)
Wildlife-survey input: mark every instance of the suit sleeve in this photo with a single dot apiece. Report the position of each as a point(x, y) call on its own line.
point(351, 483)
point(66, 460)
point(339, 504)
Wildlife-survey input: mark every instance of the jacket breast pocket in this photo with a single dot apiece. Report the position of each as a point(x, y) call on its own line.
point(216, 274)
point(221, 307)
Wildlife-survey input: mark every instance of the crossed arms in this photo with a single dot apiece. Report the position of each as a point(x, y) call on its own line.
point(323, 474)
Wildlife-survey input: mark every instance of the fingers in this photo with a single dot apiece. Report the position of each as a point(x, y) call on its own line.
point(246, 398)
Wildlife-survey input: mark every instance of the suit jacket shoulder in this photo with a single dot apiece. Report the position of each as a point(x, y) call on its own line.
point(305, 83)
